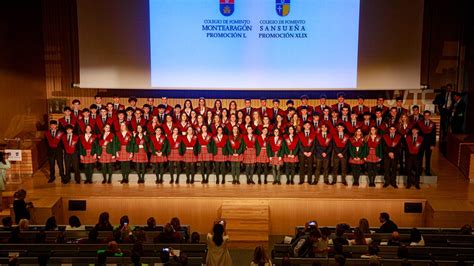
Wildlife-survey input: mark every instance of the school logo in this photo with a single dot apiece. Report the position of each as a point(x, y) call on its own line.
point(282, 7)
point(226, 7)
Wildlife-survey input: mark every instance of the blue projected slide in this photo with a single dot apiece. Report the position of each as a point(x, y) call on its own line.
point(254, 44)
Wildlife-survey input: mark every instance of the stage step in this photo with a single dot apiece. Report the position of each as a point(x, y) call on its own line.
point(247, 220)
point(150, 179)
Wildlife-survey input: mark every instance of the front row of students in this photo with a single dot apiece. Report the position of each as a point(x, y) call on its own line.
point(256, 153)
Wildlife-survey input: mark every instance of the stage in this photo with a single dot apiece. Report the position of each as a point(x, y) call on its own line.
point(267, 209)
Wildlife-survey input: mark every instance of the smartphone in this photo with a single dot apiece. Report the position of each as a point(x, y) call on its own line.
point(165, 250)
point(222, 222)
point(312, 223)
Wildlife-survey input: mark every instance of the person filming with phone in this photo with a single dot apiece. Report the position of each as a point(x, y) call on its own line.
point(217, 252)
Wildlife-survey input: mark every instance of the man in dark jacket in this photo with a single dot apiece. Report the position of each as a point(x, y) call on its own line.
point(388, 226)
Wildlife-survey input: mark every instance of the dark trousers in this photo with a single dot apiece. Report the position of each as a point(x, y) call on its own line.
point(276, 169)
point(107, 170)
point(306, 168)
point(262, 169)
point(159, 172)
point(141, 169)
point(356, 171)
point(89, 170)
point(71, 161)
point(175, 168)
point(290, 172)
point(55, 156)
point(401, 158)
point(413, 170)
point(425, 151)
point(336, 162)
point(390, 170)
point(219, 168)
point(249, 170)
point(235, 171)
point(372, 172)
point(324, 165)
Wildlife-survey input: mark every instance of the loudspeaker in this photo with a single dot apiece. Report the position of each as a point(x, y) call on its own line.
point(76, 205)
point(413, 207)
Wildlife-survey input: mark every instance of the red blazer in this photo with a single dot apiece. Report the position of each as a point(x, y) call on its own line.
point(204, 141)
point(167, 129)
point(158, 143)
point(268, 112)
point(272, 115)
point(350, 128)
point(262, 142)
point(291, 144)
point(87, 145)
point(187, 143)
point(384, 109)
point(336, 106)
point(175, 144)
point(414, 147)
point(124, 140)
point(70, 149)
point(100, 124)
point(108, 139)
point(72, 121)
point(319, 109)
point(307, 142)
point(355, 110)
point(308, 107)
point(402, 130)
point(366, 128)
point(222, 142)
point(117, 124)
point(134, 123)
point(204, 113)
point(53, 142)
point(244, 110)
point(275, 146)
point(82, 124)
point(78, 115)
point(249, 143)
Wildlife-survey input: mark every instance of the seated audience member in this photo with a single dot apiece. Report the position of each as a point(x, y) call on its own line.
point(139, 236)
point(40, 237)
point(176, 223)
point(24, 225)
point(104, 224)
point(51, 224)
point(92, 238)
point(20, 206)
point(359, 238)
point(394, 239)
point(217, 252)
point(15, 237)
point(7, 223)
point(364, 226)
point(195, 238)
point(388, 226)
point(61, 238)
point(308, 228)
point(260, 257)
point(124, 224)
point(340, 239)
point(372, 252)
point(303, 247)
point(75, 224)
point(169, 235)
point(150, 225)
point(322, 247)
point(416, 239)
point(466, 229)
point(112, 250)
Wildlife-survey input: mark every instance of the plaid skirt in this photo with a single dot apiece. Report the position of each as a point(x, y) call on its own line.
point(220, 157)
point(235, 158)
point(275, 161)
point(105, 157)
point(287, 159)
point(174, 156)
point(124, 156)
point(263, 157)
point(140, 156)
point(205, 156)
point(372, 157)
point(189, 157)
point(250, 156)
point(358, 162)
point(158, 159)
point(88, 158)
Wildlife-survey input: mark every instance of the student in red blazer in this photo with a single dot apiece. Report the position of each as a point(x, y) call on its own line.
point(205, 156)
point(174, 157)
point(54, 150)
point(414, 145)
point(262, 159)
point(88, 152)
point(250, 154)
point(71, 156)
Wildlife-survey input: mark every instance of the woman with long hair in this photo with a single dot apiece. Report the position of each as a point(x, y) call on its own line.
point(260, 258)
point(88, 152)
point(290, 157)
point(235, 149)
point(188, 150)
point(275, 153)
point(217, 252)
point(359, 238)
point(4, 166)
point(140, 144)
point(205, 157)
point(403, 127)
point(250, 154)
point(217, 109)
point(174, 157)
point(220, 153)
point(357, 152)
point(374, 154)
point(187, 107)
point(160, 148)
point(364, 226)
point(233, 107)
point(183, 124)
point(224, 116)
point(230, 124)
point(124, 153)
point(262, 159)
point(106, 151)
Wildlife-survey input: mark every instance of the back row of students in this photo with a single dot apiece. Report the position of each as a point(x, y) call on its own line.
point(304, 142)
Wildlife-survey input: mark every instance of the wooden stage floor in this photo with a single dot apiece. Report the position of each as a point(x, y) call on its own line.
point(445, 203)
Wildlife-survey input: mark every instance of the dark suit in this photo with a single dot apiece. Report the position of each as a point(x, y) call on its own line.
point(444, 100)
point(388, 227)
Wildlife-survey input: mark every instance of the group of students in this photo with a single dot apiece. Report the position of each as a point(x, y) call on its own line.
point(303, 139)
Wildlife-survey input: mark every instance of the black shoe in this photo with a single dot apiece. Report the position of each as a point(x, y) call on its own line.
point(279, 183)
point(326, 182)
point(237, 182)
point(417, 186)
point(259, 182)
point(333, 183)
point(394, 186)
point(223, 182)
point(428, 173)
point(301, 183)
point(385, 185)
point(122, 181)
point(288, 182)
point(408, 186)
point(344, 183)
point(355, 184)
point(265, 182)
point(104, 181)
point(171, 181)
point(292, 182)
point(51, 180)
point(251, 182)
point(157, 182)
point(371, 184)
point(78, 182)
